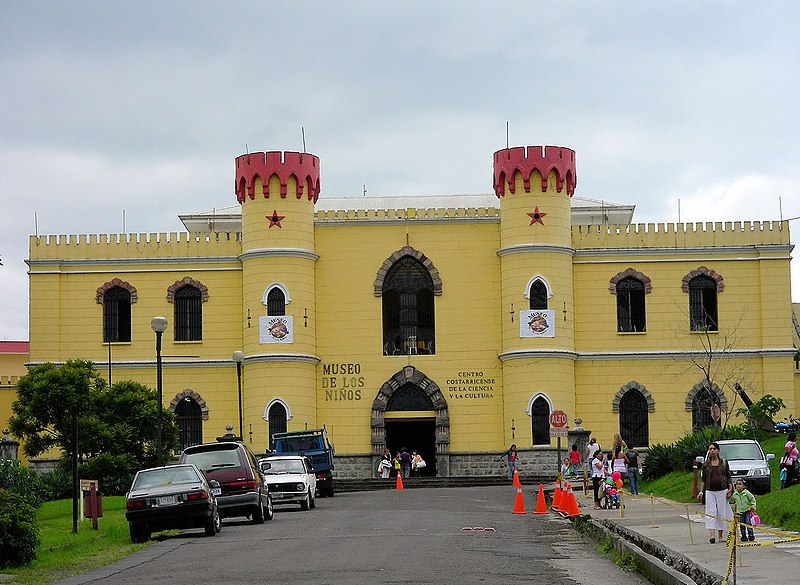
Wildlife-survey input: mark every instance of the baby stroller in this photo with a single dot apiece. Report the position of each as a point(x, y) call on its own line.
point(610, 495)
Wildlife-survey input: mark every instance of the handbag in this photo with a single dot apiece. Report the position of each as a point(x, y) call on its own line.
point(754, 519)
point(421, 463)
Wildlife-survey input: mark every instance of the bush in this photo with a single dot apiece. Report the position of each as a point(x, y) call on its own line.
point(113, 472)
point(23, 481)
point(57, 483)
point(19, 532)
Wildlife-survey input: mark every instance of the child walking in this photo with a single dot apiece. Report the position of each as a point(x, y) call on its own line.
point(743, 504)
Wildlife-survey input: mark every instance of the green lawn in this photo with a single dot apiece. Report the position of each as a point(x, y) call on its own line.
point(62, 553)
point(777, 508)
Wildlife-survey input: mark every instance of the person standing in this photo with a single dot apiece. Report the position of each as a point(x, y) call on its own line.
point(574, 459)
point(511, 458)
point(598, 474)
point(744, 503)
point(591, 450)
point(385, 466)
point(417, 463)
point(634, 470)
point(620, 463)
point(788, 460)
point(405, 462)
point(718, 487)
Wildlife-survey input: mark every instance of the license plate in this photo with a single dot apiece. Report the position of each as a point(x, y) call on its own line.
point(216, 491)
point(277, 495)
point(166, 501)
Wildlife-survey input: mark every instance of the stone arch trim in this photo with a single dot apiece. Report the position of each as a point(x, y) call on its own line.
point(280, 401)
point(409, 374)
point(102, 290)
point(416, 254)
point(633, 385)
point(534, 398)
point(183, 282)
point(701, 386)
point(702, 270)
point(630, 273)
point(188, 392)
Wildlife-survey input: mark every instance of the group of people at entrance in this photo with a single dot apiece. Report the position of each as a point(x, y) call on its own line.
point(608, 471)
point(403, 464)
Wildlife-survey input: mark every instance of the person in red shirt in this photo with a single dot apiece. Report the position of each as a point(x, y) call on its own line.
point(574, 459)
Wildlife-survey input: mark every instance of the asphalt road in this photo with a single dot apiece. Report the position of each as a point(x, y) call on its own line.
point(409, 536)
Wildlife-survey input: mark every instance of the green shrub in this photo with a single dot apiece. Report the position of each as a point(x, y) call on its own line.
point(57, 483)
point(658, 462)
point(19, 531)
point(23, 481)
point(113, 472)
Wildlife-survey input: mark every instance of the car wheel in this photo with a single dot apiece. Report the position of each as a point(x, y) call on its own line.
point(258, 513)
point(269, 511)
point(138, 534)
point(306, 504)
point(214, 524)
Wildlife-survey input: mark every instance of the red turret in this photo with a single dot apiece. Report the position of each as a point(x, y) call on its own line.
point(524, 159)
point(303, 166)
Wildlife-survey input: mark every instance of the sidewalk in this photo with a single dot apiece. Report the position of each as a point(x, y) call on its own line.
point(660, 528)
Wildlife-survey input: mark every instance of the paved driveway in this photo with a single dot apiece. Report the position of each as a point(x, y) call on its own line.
point(409, 536)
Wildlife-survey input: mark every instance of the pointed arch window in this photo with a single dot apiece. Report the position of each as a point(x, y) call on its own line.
point(538, 296)
point(189, 418)
point(276, 419)
point(540, 421)
point(276, 302)
point(408, 308)
point(702, 402)
point(634, 422)
point(188, 302)
point(117, 315)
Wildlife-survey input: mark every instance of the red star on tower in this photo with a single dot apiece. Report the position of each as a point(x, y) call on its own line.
point(536, 216)
point(275, 219)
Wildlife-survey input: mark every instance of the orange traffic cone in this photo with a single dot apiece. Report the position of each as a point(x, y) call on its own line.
point(399, 483)
point(572, 504)
point(519, 505)
point(541, 507)
point(556, 503)
point(515, 482)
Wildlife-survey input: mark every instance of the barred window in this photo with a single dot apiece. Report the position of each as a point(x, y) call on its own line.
point(189, 418)
point(634, 419)
point(408, 309)
point(116, 315)
point(703, 304)
point(276, 303)
point(276, 419)
point(538, 296)
point(188, 302)
point(701, 409)
point(630, 305)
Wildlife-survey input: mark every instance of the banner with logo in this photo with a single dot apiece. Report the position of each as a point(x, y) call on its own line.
point(537, 323)
point(274, 329)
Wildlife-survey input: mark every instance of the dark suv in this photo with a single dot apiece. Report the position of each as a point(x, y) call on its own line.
point(232, 464)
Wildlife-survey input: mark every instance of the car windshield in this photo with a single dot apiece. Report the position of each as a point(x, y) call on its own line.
point(282, 466)
point(216, 459)
point(741, 451)
point(162, 477)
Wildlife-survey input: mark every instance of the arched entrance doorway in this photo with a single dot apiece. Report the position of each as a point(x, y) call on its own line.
point(410, 411)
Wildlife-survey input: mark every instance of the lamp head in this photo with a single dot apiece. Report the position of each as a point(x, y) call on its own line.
point(158, 324)
point(238, 357)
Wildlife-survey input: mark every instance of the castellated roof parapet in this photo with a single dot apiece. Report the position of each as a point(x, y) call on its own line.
point(526, 159)
point(407, 214)
point(153, 245)
point(671, 235)
point(302, 166)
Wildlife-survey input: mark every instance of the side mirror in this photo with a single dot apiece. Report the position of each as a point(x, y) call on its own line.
point(770, 456)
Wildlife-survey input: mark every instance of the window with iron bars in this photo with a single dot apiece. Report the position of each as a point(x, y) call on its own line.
point(188, 303)
point(631, 316)
point(117, 315)
point(408, 309)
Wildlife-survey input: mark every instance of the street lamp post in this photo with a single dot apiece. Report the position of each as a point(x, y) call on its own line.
point(238, 357)
point(158, 325)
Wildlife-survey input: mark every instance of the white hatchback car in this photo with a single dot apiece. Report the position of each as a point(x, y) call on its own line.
point(291, 480)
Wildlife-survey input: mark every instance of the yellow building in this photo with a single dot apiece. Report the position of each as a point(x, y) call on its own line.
point(454, 325)
point(13, 355)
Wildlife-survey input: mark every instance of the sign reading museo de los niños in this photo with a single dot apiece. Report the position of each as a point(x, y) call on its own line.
point(537, 323)
point(274, 329)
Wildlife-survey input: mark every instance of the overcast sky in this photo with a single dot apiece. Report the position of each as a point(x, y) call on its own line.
point(139, 108)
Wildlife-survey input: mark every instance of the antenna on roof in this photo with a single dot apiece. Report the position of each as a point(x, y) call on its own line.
point(365, 189)
point(780, 208)
point(507, 144)
point(35, 224)
point(123, 222)
point(246, 148)
point(679, 210)
point(303, 134)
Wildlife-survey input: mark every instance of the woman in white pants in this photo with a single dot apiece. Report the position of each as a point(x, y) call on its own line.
point(717, 486)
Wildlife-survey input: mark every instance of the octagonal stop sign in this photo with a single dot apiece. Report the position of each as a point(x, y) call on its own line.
point(558, 418)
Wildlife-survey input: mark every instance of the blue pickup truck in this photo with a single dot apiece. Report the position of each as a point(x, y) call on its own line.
point(315, 445)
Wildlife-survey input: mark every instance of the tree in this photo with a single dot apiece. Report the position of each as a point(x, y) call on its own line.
point(115, 425)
